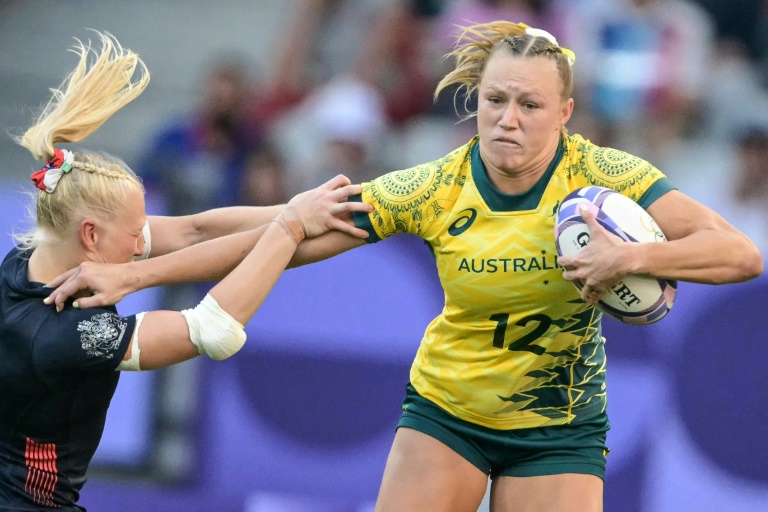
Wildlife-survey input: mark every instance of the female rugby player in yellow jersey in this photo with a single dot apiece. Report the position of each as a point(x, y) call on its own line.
point(509, 379)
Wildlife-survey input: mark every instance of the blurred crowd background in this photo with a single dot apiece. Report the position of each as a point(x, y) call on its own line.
point(253, 101)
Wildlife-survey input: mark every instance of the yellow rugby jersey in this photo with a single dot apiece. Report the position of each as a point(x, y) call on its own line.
point(515, 346)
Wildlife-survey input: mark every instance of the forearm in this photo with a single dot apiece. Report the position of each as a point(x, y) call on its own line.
point(170, 234)
point(708, 256)
point(207, 261)
point(324, 247)
point(243, 291)
point(236, 219)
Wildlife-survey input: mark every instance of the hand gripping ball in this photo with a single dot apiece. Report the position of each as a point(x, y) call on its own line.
point(636, 299)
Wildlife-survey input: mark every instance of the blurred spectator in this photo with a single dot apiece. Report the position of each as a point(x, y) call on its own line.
point(319, 43)
point(399, 56)
point(734, 95)
point(197, 162)
point(336, 129)
point(641, 60)
point(263, 178)
point(751, 187)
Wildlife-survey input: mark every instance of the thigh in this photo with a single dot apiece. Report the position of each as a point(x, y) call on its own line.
point(568, 492)
point(424, 474)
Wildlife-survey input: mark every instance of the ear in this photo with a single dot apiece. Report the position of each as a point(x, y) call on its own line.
point(89, 234)
point(566, 110)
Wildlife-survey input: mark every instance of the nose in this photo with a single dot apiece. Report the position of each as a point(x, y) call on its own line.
point(510, 118)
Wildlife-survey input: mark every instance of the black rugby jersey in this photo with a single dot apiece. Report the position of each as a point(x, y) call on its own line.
point(57, 377)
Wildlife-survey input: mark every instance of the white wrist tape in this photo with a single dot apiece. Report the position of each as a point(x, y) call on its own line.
point(132, 365)
point(213, 331)
point(147, 242)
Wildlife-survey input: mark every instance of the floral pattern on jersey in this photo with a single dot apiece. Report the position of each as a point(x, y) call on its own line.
point(400, 196)
point(101, 334)
point(614, 169)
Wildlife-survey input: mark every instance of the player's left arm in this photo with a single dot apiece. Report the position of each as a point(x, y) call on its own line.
point(170, 234)
point(703, 247)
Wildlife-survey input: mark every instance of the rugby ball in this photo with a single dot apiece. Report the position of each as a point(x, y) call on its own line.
point(636, 299)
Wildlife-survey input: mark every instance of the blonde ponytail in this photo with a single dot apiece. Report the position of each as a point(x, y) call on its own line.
point(87, 97)
point(97, 183)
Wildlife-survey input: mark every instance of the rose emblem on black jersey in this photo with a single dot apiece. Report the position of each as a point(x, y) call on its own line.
point(102, 334)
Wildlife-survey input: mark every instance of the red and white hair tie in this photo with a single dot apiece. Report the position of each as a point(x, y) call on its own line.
point(48, 177)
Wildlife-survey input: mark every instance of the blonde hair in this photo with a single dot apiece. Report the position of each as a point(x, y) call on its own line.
point(477, 43)
point(89, 96)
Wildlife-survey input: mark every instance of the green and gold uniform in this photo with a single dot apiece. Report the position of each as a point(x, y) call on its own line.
point(515, 346)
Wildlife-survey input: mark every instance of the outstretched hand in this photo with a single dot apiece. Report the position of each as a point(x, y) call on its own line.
point(101, 284)
point(323, 208)
point(599, 265)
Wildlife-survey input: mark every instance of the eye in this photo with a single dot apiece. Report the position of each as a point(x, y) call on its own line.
point(494, 100)
point(530, 106)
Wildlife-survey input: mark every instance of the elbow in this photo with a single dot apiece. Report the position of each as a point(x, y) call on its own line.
point(752, 264)
point(747, 265)
point(195, 230)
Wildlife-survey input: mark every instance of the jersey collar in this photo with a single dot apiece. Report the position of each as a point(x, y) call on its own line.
point(500, 202)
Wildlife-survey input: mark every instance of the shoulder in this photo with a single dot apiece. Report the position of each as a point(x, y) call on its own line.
point(82, 339)
point(14, 257)
point(409, 188)
point(13, 253)
point(607, 167)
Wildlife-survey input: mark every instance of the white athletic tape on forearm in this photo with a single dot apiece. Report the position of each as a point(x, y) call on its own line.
point(132, 364)
point(213, 331)
point(147, 242)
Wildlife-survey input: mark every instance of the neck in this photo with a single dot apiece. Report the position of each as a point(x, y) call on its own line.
point(51, 259)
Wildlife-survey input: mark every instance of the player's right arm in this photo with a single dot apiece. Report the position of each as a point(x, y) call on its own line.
point(169, 234)
point(206, 262)
point(215, 326)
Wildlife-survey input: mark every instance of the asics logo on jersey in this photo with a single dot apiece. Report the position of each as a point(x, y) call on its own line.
point(465, 220)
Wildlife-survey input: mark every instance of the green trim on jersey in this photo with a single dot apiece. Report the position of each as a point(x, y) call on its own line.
point(655, 191)
point(515, 346)
point(501, 202)
point(363, 221)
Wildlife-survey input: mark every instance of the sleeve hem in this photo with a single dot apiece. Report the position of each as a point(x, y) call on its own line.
point(362, 220)
point(655, 191)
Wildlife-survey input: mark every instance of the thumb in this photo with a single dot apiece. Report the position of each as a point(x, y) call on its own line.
point(589, 214)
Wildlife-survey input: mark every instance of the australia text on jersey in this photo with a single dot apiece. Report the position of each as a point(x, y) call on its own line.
point(492, 265)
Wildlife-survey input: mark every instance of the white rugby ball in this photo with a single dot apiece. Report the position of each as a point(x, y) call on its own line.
point(636, 299)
